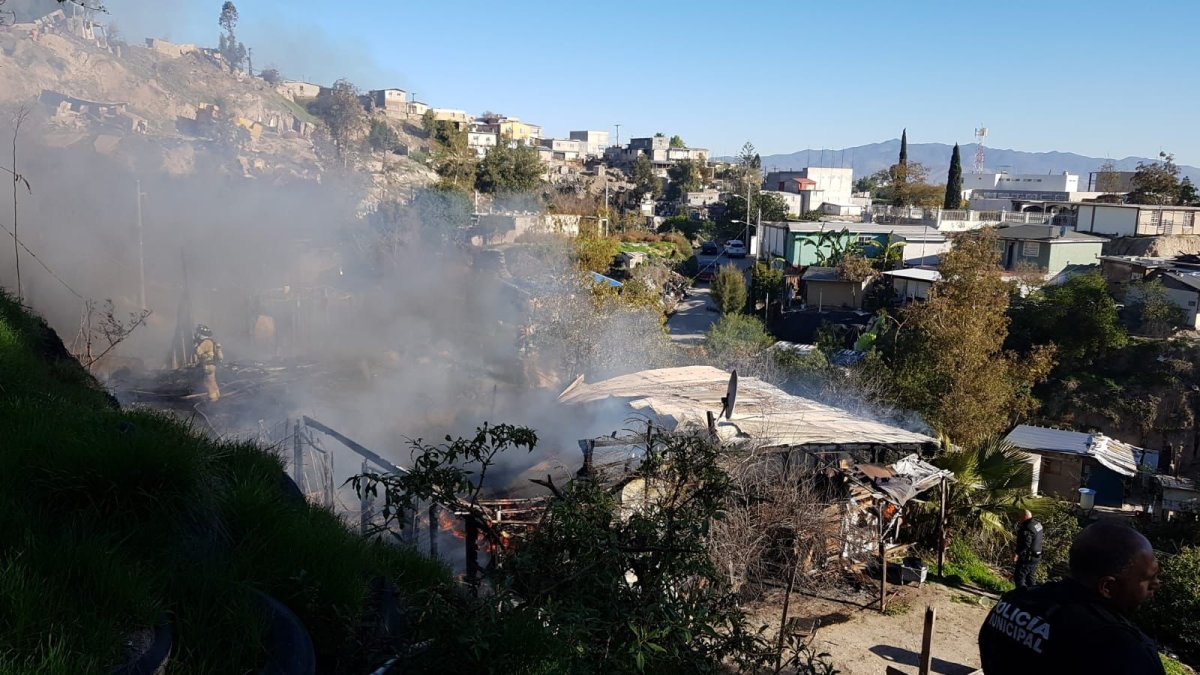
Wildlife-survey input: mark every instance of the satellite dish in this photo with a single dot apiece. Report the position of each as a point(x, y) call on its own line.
point(730, 398)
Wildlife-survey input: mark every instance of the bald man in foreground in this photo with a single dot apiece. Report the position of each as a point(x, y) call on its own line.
point(1079, 624)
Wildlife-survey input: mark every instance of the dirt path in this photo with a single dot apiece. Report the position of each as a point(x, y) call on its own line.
point(862, 641)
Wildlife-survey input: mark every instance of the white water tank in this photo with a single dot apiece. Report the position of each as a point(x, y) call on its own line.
point(1087, 499)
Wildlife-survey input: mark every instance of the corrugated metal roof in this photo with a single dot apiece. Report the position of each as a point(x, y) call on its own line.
point(1046, 233)
point(815, 273)
point(1115, 455)
point(916, 273)
point(764, 414)
point(1174, 483)
point(1028, 437)
point(1189, 279)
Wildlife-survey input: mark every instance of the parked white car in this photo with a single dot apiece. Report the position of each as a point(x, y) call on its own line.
point(734, 248)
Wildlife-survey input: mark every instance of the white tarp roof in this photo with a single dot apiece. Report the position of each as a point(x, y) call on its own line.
point(764, 413)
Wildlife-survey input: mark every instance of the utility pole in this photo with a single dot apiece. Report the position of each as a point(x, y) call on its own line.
point(618, 143)
point(749, 183)
point(757, 232)
point(606, 214)
point(141, 249)
point(250, 61)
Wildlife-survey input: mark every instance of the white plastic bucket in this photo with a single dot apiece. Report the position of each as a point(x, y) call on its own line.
point(1087, 498)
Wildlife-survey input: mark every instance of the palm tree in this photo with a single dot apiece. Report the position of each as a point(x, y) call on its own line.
point(990, 481)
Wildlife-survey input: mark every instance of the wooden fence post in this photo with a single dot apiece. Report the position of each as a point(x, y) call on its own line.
point(882, 559)
point(298, 459)
point(927, 642)
point(942, 530)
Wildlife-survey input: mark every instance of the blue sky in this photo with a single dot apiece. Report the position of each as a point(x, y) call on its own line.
point(1098, 78)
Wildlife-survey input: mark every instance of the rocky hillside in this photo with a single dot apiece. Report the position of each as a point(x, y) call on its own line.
point(172, 110)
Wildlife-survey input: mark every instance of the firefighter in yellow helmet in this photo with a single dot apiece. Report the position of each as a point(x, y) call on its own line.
point(207, 353)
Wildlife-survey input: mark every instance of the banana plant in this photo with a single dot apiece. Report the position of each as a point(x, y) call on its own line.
point(893, 248)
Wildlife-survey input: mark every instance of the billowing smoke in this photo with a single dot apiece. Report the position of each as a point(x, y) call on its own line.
point(382, 337)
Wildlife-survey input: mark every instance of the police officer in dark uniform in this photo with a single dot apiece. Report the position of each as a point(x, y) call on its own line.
point(1079, 624)
point(1029, 550)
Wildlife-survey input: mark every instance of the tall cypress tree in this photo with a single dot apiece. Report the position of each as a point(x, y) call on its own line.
point(954, 182)
point(900, 174)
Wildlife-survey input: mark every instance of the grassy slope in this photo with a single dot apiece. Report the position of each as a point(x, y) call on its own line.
point(111, 519)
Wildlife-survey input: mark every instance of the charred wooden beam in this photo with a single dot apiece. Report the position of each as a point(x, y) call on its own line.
point(361, 450)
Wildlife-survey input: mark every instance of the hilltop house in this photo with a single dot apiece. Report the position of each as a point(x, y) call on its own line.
point(1065, 461)
point(511, 128)
point(480, 141)
point(1048, 248)
point(594, 142)
point(393, 102)
point(297, 90)
point(658, 150)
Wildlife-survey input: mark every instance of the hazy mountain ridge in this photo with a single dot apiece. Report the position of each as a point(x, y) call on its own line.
point(867, 159)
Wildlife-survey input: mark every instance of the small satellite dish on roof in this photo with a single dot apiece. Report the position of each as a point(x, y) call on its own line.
point(730, 397)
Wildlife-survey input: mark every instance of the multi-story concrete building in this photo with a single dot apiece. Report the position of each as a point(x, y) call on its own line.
point(480, 141)
point(814, 186)
point(595, 142)
point(511, 128)
point(987, 186)
point(460, 118)
point(658, 150)
point(564, 148)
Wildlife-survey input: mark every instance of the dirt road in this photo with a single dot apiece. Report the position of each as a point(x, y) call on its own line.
point(862, 641)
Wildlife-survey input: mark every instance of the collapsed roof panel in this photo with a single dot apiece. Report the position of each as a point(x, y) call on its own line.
point(765, 415)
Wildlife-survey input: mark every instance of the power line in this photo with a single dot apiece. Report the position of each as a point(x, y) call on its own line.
point(39, 260)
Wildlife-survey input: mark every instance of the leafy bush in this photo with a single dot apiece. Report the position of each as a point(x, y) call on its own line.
point(1150, 310)
point(1173, 667)
point(683, 249)
point(963, 566)
point(736, 337)
point(765, 280)
point(729, 290)
point(1061, 524)
point(1173, 615)
point(382, 136)
point(618, 585)
point(691, 229)
point(595, 254)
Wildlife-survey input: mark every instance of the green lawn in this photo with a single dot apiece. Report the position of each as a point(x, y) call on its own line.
point(657, 248)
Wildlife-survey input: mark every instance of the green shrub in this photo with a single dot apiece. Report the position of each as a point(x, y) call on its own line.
point(1061, 523)
point(1173, 667)
point(963, 566)
point(112, 519)
point(1173, 614)
point(729, 290)
point(736, 337)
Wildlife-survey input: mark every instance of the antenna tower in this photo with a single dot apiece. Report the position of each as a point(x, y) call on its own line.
point(980, 135)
